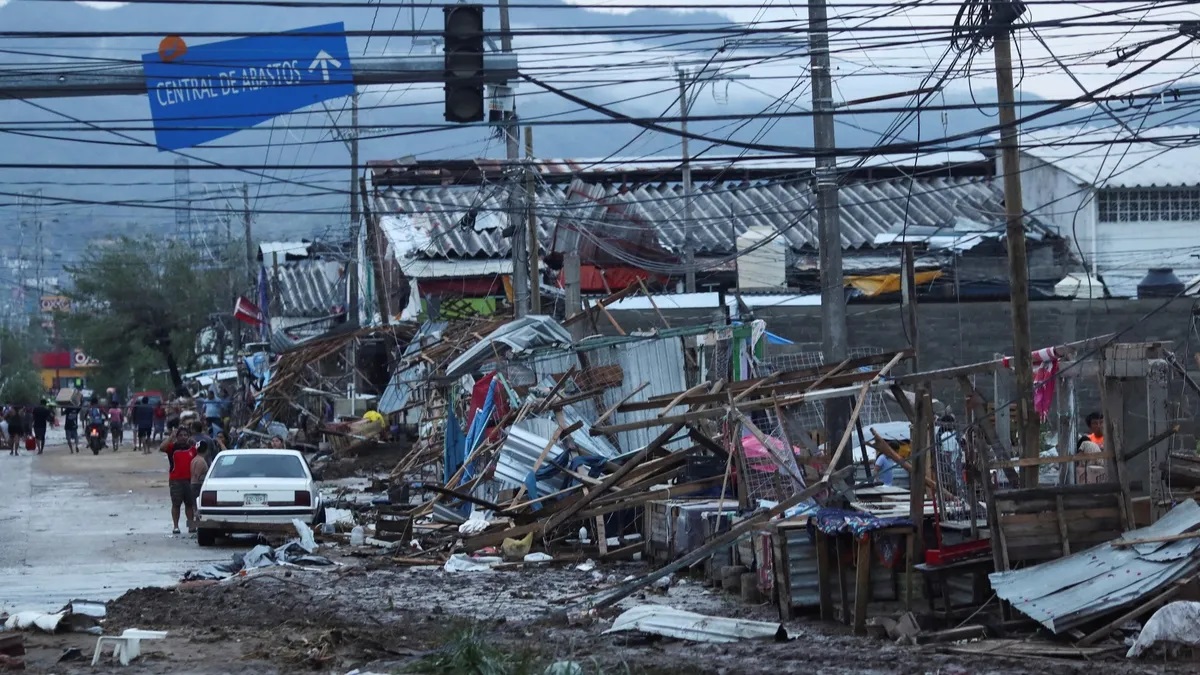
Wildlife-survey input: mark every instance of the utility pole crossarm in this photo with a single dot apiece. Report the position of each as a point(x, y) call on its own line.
point(23, 83)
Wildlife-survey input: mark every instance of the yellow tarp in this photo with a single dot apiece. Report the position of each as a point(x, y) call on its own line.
point(879, 284)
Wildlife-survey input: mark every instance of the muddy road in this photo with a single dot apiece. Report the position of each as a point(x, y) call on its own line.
point(85, 526)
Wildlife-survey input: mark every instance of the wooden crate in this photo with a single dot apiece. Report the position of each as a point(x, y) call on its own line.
point(1046, 523)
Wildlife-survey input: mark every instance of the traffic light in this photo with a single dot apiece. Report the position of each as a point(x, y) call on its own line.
point(464, 63)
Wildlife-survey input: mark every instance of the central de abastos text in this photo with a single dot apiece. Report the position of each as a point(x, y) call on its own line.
point(228, 83)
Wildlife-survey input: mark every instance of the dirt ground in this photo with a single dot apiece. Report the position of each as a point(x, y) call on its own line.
point(399, 619)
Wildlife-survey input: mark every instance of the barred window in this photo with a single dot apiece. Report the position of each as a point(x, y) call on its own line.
point(1149, 205)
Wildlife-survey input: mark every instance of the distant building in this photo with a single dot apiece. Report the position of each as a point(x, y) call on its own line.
point(750, 222)
point(307, 287)
point(1123, 204)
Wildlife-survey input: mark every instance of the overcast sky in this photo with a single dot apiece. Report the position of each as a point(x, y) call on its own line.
point(882, 54)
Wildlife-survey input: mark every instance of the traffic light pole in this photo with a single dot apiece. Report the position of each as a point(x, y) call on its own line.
point(23, 83)
point(520, 247)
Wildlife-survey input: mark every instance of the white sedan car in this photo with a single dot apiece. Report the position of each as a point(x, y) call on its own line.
point(248, 491)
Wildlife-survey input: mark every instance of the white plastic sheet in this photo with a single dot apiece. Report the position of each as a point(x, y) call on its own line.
point(461, 562)
point(1178, 622)
point(473, 526)
point(42, 621)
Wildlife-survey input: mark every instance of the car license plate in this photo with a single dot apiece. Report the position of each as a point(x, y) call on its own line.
point(256, 500)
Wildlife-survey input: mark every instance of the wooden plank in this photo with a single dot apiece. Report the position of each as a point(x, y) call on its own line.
point(1044, 461)
point(1062, 527)
point(1049, 517)
point(616, 476)
point(1162, 599)
point(1156, 540)
point(603, 302)
point(612, 410)
point(682, 395)
point(758, 519)
point(789, 381)
point(862, 584)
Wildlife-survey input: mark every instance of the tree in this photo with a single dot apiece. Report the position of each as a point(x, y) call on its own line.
point(141, 303)
point(19, 379)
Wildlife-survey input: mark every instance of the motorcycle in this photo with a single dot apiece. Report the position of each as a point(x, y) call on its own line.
point(95, 437)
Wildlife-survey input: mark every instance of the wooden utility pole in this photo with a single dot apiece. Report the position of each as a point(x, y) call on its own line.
point(375, 249)
point(834, 342)
point(1018, 266)
point(908, 302)
point(531, 235)
point(520, 249)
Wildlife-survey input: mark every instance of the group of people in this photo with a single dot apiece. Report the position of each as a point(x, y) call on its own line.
point(25, 425)
point(189, 450)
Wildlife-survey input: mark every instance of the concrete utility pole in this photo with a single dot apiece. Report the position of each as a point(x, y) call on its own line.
point(531, 235)
point(353, 265)
point(520, 248)
point(689, 251)
point(354, 187)
point(834, 343)
point(1018, 267)
point(247, 222)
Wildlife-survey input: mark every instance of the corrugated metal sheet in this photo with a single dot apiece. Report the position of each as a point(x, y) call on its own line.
point(468, 221)
point(306, 288)
point(522, 447)
point(657, 362)
point(1105, 157)
point(803, 580)
point(407, 380)
point(518, 336)
point(1066, 593)
point(677, 623)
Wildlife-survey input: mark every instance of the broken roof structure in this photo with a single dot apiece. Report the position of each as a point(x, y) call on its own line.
point(1069, 592)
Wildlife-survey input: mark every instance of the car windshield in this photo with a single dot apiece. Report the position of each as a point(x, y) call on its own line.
point(258, 466)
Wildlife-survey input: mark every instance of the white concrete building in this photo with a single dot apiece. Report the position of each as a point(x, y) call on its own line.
point(1125, 203)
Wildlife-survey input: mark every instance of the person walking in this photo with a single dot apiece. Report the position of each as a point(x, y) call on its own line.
point(199, 468)
point(143, 421)
point(71, 427)
point(160, 422)
point(10, 427)
point(116, 425)
point(42, 417)
point(180, 452)
point(16, 434)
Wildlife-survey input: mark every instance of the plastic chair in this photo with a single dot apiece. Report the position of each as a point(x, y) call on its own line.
point(128, 645)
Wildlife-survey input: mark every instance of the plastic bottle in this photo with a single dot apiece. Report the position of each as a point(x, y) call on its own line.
point(358, 536)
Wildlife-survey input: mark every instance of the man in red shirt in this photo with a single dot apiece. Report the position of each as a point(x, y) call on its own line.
point(180, 452)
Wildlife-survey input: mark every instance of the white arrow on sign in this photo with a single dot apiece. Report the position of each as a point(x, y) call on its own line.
point(323, 62)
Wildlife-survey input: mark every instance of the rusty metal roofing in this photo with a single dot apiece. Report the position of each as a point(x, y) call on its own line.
point(469, 221)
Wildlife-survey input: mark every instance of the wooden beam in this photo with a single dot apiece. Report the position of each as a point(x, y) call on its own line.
point(682, 395)
point(1121, 543)
point(1162, 599)
point(603, 302)
point(1063, 351)
point(613, 409)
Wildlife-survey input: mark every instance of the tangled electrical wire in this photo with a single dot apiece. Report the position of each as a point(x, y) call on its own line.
point(978, 22)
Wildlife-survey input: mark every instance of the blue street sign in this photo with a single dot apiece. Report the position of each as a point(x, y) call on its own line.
point(213, 90)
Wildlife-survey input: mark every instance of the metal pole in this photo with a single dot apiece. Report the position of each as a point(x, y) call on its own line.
point(520, 247)
point(354, 215)
point(22, 83)
point(247, 223)
point(833, 296)
point(531, 236)
point(1018, 266)
point(689, 253)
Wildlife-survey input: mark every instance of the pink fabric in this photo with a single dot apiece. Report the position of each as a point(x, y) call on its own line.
point(754, 450)
point(1043, 387)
